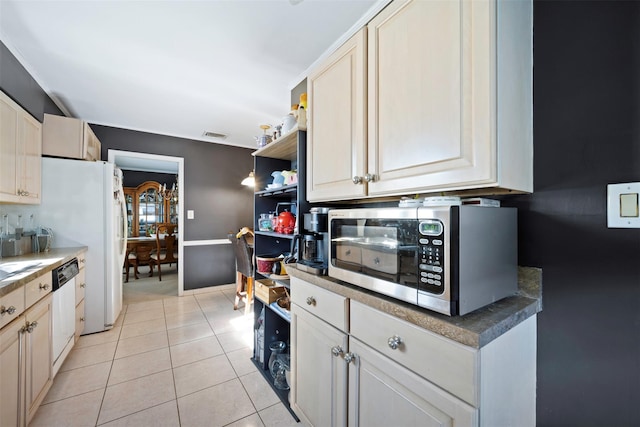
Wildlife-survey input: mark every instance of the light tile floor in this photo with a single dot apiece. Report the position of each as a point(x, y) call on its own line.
point(178, 361)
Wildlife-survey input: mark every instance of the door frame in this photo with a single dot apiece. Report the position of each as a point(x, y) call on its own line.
point(162, 164)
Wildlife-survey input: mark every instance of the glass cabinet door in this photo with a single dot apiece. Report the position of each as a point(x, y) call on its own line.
point(150, 211)
point(129, 197)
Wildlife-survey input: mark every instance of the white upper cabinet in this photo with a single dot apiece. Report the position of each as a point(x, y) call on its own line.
point(336, 150)
point(20, 154)
point(449, 102)
point(69, 138)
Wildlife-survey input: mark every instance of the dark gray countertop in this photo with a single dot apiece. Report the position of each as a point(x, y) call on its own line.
point(475, 329)
point(34, 265)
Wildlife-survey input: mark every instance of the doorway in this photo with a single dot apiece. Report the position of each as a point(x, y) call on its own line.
point(143, 162)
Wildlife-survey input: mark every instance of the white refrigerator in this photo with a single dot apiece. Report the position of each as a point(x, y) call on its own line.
point(83, 203)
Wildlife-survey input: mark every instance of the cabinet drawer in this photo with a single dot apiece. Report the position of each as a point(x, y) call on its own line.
point(330, 307)
point(11, 306)
point(80, 285)
point(448, 364)
point(37, 288)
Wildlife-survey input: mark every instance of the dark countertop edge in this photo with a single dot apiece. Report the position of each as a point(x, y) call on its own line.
point(475, 329)
point(51, 259)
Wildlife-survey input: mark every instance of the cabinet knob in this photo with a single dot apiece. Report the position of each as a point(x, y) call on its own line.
point(9, 310)
point(82, 319)
point(370, 177)
point(44, 287)
point(357, 180)
point(337, 351)
point(82, 285)
point(82, 260)
point(349, 357)
point(394, 342)
point(31, 326)
point(311, 301)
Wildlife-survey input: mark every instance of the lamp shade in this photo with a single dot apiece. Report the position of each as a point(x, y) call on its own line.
point(249, 181)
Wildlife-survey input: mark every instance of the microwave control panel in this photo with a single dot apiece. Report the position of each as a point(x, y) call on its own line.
point(431, 253)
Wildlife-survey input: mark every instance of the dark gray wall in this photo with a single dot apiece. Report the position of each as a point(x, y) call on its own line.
point(16, 82)
point(587, 135)
point(213, 173)
point(135, 178)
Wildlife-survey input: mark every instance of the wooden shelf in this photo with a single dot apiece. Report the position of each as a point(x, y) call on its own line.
point(284, 148)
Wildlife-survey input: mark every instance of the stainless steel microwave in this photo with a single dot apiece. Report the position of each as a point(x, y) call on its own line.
point(449, 259)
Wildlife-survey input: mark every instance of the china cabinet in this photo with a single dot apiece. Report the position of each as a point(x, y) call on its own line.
point(434, 116)
point(70, 138)
point(145, 209)
point(20, 154)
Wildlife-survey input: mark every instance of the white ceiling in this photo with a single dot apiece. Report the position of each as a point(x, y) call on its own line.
point(175, 67)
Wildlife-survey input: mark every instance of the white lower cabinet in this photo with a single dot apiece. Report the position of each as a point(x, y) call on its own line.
point(384, 393)
point(25, 364)
point(385, 371)
point(319, 373)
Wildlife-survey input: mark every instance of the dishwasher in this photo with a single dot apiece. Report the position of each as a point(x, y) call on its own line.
point(64, 311)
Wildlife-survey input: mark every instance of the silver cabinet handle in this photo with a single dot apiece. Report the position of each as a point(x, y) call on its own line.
point(394, 342)
point(337, 351)
point(9, 310)
point(44, 287)
point(349, 357)
point(357, 180)
point(311, 301)
point(370, 177)
point(82, 260)
point(82, 319)
point(82, 285)
point(31, 326)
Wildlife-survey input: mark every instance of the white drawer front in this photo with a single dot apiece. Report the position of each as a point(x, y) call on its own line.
point(11, 306)
point(37, 288)
point(330, 307)
point(448, 364)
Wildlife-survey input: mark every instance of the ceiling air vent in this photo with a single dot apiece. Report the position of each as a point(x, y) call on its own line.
point(214, 135)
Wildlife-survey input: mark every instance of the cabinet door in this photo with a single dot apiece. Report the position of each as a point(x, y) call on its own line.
point(383, 393)
point(11, 369)
point(8, 154)
point(337, 124)
point(29, 158)
point(429, 103)
point(319, 378)
point(38, 362)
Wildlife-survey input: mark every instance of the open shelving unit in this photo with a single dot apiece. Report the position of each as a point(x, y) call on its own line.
point(286, 153)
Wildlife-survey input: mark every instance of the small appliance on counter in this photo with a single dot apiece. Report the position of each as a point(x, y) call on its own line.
point(447, 258)
point(313, 243)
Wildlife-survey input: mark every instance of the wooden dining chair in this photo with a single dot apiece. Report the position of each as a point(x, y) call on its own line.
point(244, 271)
point(143, 256)
point(166, 241)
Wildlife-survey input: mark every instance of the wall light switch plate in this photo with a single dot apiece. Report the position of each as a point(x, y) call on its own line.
point(623, 205)
point(190, 214)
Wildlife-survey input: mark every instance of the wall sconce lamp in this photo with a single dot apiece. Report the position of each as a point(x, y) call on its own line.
point(249, 181)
